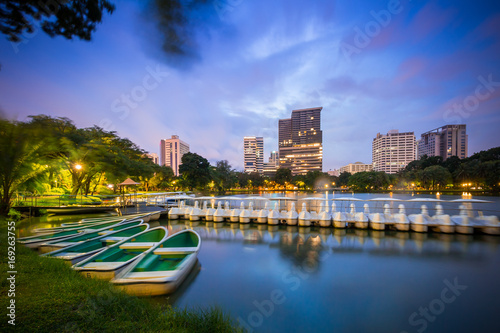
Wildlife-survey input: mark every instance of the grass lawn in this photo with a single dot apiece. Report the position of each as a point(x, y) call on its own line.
point(51, 297)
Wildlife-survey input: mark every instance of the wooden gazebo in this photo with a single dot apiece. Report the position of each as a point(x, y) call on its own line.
point(126, 182)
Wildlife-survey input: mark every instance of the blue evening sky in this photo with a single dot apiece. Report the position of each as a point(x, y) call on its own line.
point(373, 65)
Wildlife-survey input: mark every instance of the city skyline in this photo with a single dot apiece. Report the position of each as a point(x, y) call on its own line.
point(373, 67)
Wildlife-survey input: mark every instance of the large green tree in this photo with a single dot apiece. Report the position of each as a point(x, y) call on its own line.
point(282, 176)
point(19, 159)
point(224, 176)
point(195, 171)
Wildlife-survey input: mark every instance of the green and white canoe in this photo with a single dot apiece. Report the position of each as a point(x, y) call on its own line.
point(36, 241)
point(82, 237)
point(78, 226)
point(162, 269)
point(106, 264)
point(81, 251)
point(92, 220)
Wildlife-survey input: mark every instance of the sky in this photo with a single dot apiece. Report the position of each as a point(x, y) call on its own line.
point(373, 66)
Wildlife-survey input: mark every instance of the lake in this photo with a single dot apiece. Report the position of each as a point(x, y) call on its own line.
point(294, 279)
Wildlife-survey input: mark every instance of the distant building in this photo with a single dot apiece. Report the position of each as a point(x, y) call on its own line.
point(393, 151)
point(153, 157)
point(273, 164)
point(171, 152)
point(253, 150)
point(445, 141)
point(352, 168)
point(335, 172)
point(301, 141)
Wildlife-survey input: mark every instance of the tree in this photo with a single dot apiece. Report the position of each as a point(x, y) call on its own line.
point(343, 178)
point(89, 155)
point(163, 178)
point(195, 170)
point(17, 160)
point(256, 180)
point(283, 175)
point(312, 177)
point(368, 181)
point(74, 18)
point(223, 176)
point(436, 175)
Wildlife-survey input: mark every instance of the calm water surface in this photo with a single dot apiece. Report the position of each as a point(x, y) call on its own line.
point(294, 279)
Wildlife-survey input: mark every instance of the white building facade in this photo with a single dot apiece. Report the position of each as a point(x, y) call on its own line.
point(253, 154)
point(171, 152)
point(352, 168)
point(393, 151)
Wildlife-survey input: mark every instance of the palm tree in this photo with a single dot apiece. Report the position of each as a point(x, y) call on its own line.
point(17, 161)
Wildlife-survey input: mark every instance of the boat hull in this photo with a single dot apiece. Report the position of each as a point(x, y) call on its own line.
point(361, 225)
point(378, 225)
point(325, 223)
point(157, 287)
point(402, 226)
point(419, 227)
point(446, 228)
point(272, 221)
point(464, 229)
point(339, 224)
point(304, 223)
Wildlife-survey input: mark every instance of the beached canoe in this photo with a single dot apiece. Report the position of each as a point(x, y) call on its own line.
point(81, 251)
point(82, 237)
point(162, 269)
point(106, 264)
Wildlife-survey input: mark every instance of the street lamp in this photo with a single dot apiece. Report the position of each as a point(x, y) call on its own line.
point(78, 167)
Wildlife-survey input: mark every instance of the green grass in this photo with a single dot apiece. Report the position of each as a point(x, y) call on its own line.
point(51, 297)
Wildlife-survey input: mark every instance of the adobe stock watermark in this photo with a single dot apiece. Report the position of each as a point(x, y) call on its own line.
point(460, 111)
point(123, 105)
point(420, 319)
point(364, 36)
point(293, 279)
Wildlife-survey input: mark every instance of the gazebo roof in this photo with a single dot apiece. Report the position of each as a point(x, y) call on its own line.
point(128, 182)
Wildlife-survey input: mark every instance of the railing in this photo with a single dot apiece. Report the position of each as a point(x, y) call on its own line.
point(26, 199)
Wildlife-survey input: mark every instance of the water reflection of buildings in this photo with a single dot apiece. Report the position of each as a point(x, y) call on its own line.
point(305, 246)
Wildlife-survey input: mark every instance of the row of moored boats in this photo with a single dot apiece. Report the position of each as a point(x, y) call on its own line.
point(329, 216)
point(126, 250)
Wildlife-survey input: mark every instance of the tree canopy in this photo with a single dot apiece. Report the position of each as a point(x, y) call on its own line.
point(73, 18)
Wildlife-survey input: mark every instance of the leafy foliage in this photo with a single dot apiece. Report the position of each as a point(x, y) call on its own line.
point(75, 18)
point(195, 170)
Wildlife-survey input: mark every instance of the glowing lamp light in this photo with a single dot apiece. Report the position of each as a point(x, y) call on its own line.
point(78, 167)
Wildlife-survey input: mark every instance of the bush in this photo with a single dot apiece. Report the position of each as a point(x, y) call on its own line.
point(14, 215)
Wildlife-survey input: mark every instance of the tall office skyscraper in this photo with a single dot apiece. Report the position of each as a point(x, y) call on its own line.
point(446, 141)
point(301, 141)
point(171, 152)
point(393, 151)
point(253, 148)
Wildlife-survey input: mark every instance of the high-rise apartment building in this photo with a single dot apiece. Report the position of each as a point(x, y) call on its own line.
point(445, 141)
point(171, 152)
point(273, 164)
point(301, 141)
point(352, 168)
point(393, 151)
point(253, 149)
